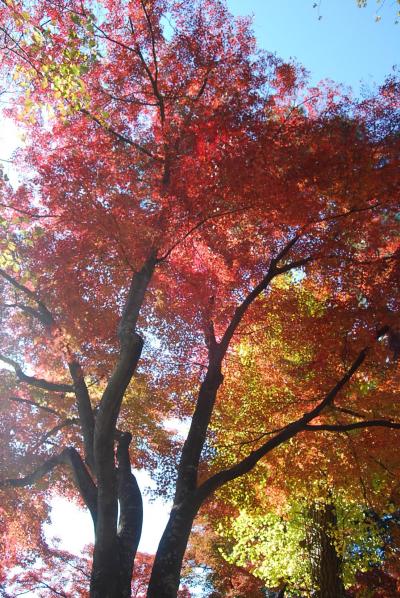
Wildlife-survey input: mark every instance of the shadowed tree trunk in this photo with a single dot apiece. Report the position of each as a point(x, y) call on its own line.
point(326, 564)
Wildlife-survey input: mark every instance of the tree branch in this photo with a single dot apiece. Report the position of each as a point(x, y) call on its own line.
point(36, 405)
point(69, 456)
point(25, 212)
point(382, 423)
point(79, 386)
point(273, 271)
point(131, 345)
point(287, 432)
point(347, 213)
point(131, 508)
point(64, 424)
point(36, 475)
point(43, 314)
point(83, 481)
point(153, 79)
point(295, 264)
point(38, 382)
point(196, 227)
point(120, 136)
point(190, 457)
point(153, 41)
point(348, 411)
point(86, 416)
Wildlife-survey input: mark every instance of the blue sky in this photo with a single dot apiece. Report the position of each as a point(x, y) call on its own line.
point(346, 44)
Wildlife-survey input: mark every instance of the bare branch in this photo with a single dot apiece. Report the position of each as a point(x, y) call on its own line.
point(83, 481)
point(273, 270)
point(153, 41)
point(18, 285)
point(25, 212)
point(72, 565)
point(348, 411)
point(86, 416)
point(286, 249)
point(153, 79)
point(330, 397)
point(36, 475)
point(346, 213)
point(40, 315)
point(129, 99)
point(295, 264)
point(51, 588)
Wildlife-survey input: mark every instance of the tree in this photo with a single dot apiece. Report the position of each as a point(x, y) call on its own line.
point(304, 519)
point(173, 175)
point(308, 548)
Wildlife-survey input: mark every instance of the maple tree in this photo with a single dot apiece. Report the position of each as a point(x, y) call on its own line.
point(178, 184)
point(275, 525)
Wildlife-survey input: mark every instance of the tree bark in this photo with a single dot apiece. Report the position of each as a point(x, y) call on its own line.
point(130, 516)
point(326, 564)
point(111, 551)
point(166, 572)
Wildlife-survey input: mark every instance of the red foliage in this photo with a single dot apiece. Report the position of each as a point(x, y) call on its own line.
point(156, 132)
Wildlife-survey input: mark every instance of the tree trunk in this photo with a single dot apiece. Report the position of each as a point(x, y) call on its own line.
point(105, 579)
point(114, 580)
point(165, 576)
point(112, 569)
point(326, 565)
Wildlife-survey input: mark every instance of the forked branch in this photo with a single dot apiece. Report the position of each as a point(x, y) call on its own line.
point(190, 458)
point(273, 270)
point(42, 313)
point(131, 344)
point(69, 456)
point(289, 431)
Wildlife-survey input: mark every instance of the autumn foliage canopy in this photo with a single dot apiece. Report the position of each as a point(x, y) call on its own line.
point(200, 238)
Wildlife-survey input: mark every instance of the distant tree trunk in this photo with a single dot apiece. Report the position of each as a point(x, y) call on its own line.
point(326, 565)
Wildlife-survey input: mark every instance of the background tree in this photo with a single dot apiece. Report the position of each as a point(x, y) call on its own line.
point(173, 175)
point(286, 514)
